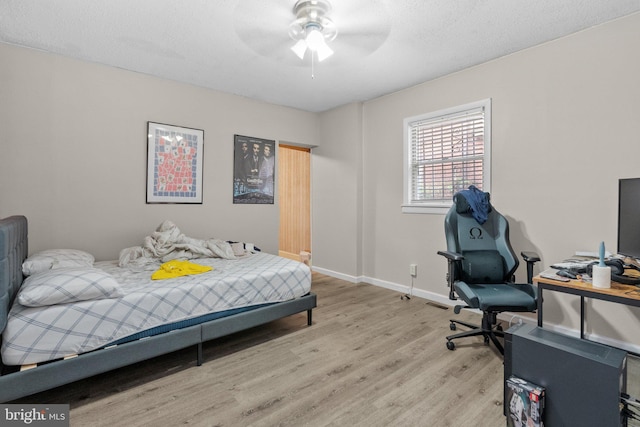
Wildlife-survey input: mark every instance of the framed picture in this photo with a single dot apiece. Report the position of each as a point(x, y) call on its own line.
point(253, 170)
point(174, 164)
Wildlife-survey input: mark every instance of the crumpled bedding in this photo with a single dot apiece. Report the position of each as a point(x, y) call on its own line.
point(168, 243)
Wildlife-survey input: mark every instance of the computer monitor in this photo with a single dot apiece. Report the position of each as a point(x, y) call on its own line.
point(629, 217)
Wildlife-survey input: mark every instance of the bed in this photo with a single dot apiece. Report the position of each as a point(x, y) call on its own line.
point(54, 341)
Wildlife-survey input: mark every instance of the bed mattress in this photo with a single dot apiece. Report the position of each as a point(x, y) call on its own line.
point(35, 335)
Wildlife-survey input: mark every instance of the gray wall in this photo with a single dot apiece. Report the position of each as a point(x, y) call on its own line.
point(566, 127)
point(337, 193)
point(74, 153)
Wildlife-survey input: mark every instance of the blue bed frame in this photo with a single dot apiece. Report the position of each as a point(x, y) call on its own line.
point(14, 250)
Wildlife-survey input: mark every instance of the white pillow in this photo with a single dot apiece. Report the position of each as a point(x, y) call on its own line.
point(64, 285)
point(56, 258)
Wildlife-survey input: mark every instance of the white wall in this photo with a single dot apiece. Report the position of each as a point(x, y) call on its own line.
point(566, 127)
point(73, 150)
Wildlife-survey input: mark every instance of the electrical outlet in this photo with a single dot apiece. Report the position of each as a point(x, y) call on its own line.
point(413, 270)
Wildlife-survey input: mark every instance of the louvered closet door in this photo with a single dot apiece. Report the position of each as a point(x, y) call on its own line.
point(294, 190)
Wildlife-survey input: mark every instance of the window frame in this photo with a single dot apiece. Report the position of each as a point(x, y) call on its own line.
point(442, 206)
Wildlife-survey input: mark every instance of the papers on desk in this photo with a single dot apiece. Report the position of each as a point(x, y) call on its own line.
point(580, 262)
point(572, 264)
point(550, 273)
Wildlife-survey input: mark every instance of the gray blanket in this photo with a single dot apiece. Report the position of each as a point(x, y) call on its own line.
point(168, 243)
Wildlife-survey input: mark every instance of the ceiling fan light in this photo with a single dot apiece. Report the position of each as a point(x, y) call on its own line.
point(324, 52)
point(312, 29)
point(299, 48)
point(315, 39)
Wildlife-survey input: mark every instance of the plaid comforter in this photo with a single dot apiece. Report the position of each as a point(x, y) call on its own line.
point(35, 335)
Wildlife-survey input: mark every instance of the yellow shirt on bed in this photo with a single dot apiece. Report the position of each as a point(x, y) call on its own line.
point(177, 268)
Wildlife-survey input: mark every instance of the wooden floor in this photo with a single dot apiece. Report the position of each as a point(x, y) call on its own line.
point(370, 359)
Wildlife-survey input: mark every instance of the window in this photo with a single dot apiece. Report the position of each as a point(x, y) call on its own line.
point(445, 152)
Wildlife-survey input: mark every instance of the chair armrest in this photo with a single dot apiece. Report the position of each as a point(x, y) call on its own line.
point(531, 258)
point(451, 256)
point(452, 259)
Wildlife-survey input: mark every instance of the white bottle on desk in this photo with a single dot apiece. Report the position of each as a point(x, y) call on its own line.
point(601, 276)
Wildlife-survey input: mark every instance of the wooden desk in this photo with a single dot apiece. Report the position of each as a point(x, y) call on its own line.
point(619, 293)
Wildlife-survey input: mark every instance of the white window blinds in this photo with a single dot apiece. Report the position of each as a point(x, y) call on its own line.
point(446, 153)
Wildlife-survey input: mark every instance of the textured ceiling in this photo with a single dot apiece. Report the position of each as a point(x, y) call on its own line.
point(242, 46)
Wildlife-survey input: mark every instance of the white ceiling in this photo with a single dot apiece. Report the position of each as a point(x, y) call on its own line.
point(242, 46)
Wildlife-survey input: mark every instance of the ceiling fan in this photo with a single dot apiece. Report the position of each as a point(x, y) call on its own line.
point(351, 29)
point(312, 29)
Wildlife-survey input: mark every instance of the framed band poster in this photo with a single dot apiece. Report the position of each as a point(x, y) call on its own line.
point(254, 170)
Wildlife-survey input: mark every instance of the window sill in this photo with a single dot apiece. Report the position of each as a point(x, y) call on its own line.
point(423, 209)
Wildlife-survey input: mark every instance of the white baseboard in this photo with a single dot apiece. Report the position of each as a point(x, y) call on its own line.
point(404, 289)
point(510, 318)
point(341, 276)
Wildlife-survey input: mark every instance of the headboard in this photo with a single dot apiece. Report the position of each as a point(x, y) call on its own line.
point(13, 251)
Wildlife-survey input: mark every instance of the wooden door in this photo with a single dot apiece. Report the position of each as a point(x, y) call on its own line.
point(294, 192)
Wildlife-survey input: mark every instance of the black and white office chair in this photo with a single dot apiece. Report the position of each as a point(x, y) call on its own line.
point(481, 267)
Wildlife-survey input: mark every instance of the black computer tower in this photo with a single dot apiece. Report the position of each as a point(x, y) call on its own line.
point(583, 379)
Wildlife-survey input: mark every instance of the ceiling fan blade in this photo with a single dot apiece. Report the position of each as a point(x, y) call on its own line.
point(362, 16)
point(263, 25)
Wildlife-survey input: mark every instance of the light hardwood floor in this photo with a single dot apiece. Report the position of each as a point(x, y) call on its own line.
point(370, 359)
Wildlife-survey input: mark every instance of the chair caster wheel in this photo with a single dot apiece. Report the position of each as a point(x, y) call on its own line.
point(486, 340)
point(452, 326)
point(451, 345)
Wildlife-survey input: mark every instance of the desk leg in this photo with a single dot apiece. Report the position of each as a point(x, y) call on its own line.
point(581, 317)
point(539, 306)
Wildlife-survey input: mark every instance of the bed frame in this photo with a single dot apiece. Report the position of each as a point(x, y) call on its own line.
point(14, 250)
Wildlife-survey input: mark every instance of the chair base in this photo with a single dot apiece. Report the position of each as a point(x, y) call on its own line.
point(489, 330)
